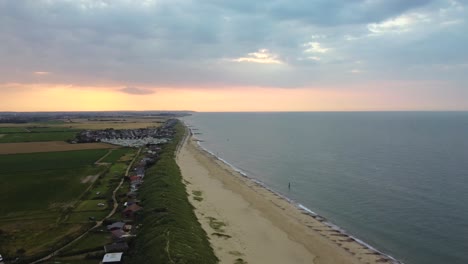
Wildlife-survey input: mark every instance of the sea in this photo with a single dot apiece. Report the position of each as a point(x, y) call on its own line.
point(397, 181)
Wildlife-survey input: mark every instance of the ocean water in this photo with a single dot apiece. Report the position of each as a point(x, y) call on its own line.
point(396, 180)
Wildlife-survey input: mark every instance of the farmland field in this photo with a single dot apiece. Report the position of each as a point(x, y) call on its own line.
point(91, 205)
point(81, 123)
point(117, 154)
point(114, 125)
point(50, 146)
point(91, 241)
point(40, 189)
point(27, 179)
point(54, 191)
point(35, 137)
point(51, 129)
point(4, 130)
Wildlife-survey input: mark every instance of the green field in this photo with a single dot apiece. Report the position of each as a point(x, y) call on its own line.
point(51, 129)
point(34, 137)
point(117, 154)
point(91, 205)
point(83, 217)
point(6, 130)
point(37, 181)
point(39, 190)
point(33, 133)
point(91, 242)
point(50, 198)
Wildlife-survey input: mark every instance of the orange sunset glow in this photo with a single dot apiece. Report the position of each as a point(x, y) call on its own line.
point(151, 55)
point(50, 97)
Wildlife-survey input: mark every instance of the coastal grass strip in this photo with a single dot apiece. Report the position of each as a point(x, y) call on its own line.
point(170, 231)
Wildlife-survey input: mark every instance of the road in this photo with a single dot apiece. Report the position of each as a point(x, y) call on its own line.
point(99, 223)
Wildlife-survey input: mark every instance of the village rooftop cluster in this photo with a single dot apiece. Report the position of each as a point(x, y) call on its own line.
point(128, 137)
point(127, 228)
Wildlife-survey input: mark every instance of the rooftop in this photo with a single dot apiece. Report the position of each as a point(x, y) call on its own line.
point(112, 257)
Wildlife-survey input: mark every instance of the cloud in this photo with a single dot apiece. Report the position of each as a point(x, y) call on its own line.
point(323, 12)
point(260, 56)
point(400, 24)
point(315, 47)
point(452, 22)
point(40, 73)
point(315, 58)
point(216, 43)
point(136, 91)
point(356, 71)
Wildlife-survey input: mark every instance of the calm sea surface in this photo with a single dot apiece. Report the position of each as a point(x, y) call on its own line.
point(398, 181)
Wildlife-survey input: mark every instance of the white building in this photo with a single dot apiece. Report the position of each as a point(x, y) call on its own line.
point(111, 258)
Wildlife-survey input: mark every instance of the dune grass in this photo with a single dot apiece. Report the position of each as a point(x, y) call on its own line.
point(170, 232)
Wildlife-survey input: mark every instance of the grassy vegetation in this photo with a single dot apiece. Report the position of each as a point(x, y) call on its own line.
point(6, 130)
point(50, 160)
point(170, 232)
point(117, 154)
point(28, 238)
point(115, 125)
point(35, 137)
point(197, 195)
point(91, 242)
point(91, 205)
point(104, 186)
point(39, 190)
point(51, 129)
point(83, 217)
point(216, 225)
point(72, 260)
point(240, 261)
point(38, 181)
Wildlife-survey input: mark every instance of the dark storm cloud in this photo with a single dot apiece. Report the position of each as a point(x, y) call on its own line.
point(207, 43)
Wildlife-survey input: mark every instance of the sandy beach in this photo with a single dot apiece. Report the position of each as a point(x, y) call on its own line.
point(247, 223)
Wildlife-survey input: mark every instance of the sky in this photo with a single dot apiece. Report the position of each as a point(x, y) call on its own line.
point(242, 55)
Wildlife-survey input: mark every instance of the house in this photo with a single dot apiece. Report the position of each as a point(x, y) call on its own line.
point(127, 228)
point(116, 226)
point(131, 210)
point(111, 258)
point(118, 234)
point(128, 203)
point(140, 171)
point(135, 178)
point(116, 247)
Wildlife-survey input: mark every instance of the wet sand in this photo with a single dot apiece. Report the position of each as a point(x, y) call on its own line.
point(247, 223)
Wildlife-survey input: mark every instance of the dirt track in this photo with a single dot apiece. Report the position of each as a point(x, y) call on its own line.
point(98, 223)
point(50, 146)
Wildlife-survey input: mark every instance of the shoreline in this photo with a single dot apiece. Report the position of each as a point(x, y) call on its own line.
point(323, 241)
point(298, 205)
